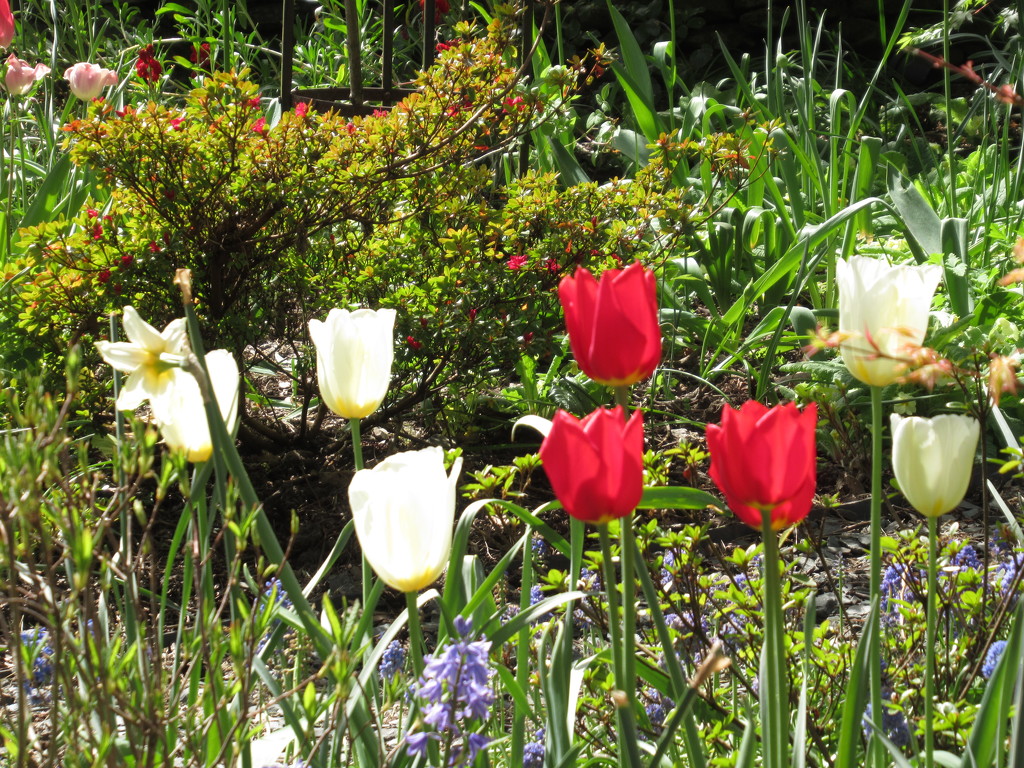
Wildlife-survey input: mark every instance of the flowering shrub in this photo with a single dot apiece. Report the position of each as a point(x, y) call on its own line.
point(279, 221)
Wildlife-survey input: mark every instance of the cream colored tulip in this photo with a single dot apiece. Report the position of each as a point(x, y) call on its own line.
point(151, 359)
point(185, 427)
point(883, 309)
point(933, 459)
point(404, 509)
point(354, 351)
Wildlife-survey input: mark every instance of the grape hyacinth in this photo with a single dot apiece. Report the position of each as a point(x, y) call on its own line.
point(274, 594)
point(539, 546)
point(995, 652)
point(36, 642)
point(391, 661)
point(657, 707)
point(536, 595)
point(894, 723)
point(455, 697)
point(533, 751)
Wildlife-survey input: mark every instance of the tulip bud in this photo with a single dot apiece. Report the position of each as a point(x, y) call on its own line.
point(21, 76)
point(183, 424)
point(883, 309)
point(764, 459)
point(933, 459)
point(354, 351)
point(596, 465)
point(613, 323)
point(6, 24)
point(403, 510)
point(87, 81)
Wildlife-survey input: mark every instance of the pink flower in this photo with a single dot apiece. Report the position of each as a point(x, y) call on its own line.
point(21, 75)
point(301, 109)
point(260, 127)
point(517, 261)
point(6, 24)
point(88, 80)
point(176, 123)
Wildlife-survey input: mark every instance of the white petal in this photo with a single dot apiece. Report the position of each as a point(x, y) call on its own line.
point(175, 337)
point(122, 355)
point(140, 332)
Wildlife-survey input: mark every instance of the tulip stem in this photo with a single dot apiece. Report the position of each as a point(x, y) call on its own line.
point(929, 644)
point(415, 633)
point(774, 684)
point(627, 549)
point(357, 454)
point(628, 752)
point(622, 397)
point(875, 651)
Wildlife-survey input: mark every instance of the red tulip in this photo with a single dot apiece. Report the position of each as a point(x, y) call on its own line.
point(764, 459)
point(613, 324)
point(596, 465)
point(6, 24)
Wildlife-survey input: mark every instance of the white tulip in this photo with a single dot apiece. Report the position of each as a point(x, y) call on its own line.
point(933, 459)
point(403, 510)
point(151, 359)
point(185, 427)
point(354, 351)
point(884, 309)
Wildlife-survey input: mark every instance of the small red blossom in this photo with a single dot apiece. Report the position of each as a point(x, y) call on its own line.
point(301, 109)
point(97, 231)
point(441, 7)
point(380, 113)
point(200, 56)
point(121, 112)
point(127, 259)
point(153, 247)
point(513, 104)
point(147, 67)
point(118, 287)
point(351, 128)
point(472, 314)
point(260, 127)
point(527, 337)
point(423, 322)
point(103, 276)
point(552, 265)
point(411, 340)
point(176, 123)
point(92, 213)
point(517, 261)
point(442, 47)
point(253, 103)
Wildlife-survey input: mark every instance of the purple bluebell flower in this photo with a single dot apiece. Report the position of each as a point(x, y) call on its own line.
point(967, 557)
point(668, 562)
point(995, 652)
point(539, 546)
point(391, 661)
point(533, 751)
point(455, 695)
point(274, 596)
point(536, 595)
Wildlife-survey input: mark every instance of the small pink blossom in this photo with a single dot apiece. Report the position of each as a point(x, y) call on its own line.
point(88, 80)
point(22, 76)
point(260, 127)
point(301, 109)
point(517, 261)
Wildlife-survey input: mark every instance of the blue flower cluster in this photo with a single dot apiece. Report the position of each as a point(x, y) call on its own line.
point(536, 595)
point(894, 722)
point(539, 546)
point(898, 586)
point(274, 594)
point(391, 661)
point(455, 694)
point(995, 652)
point(36, 644)
point(657, 707)
point(533, 751)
